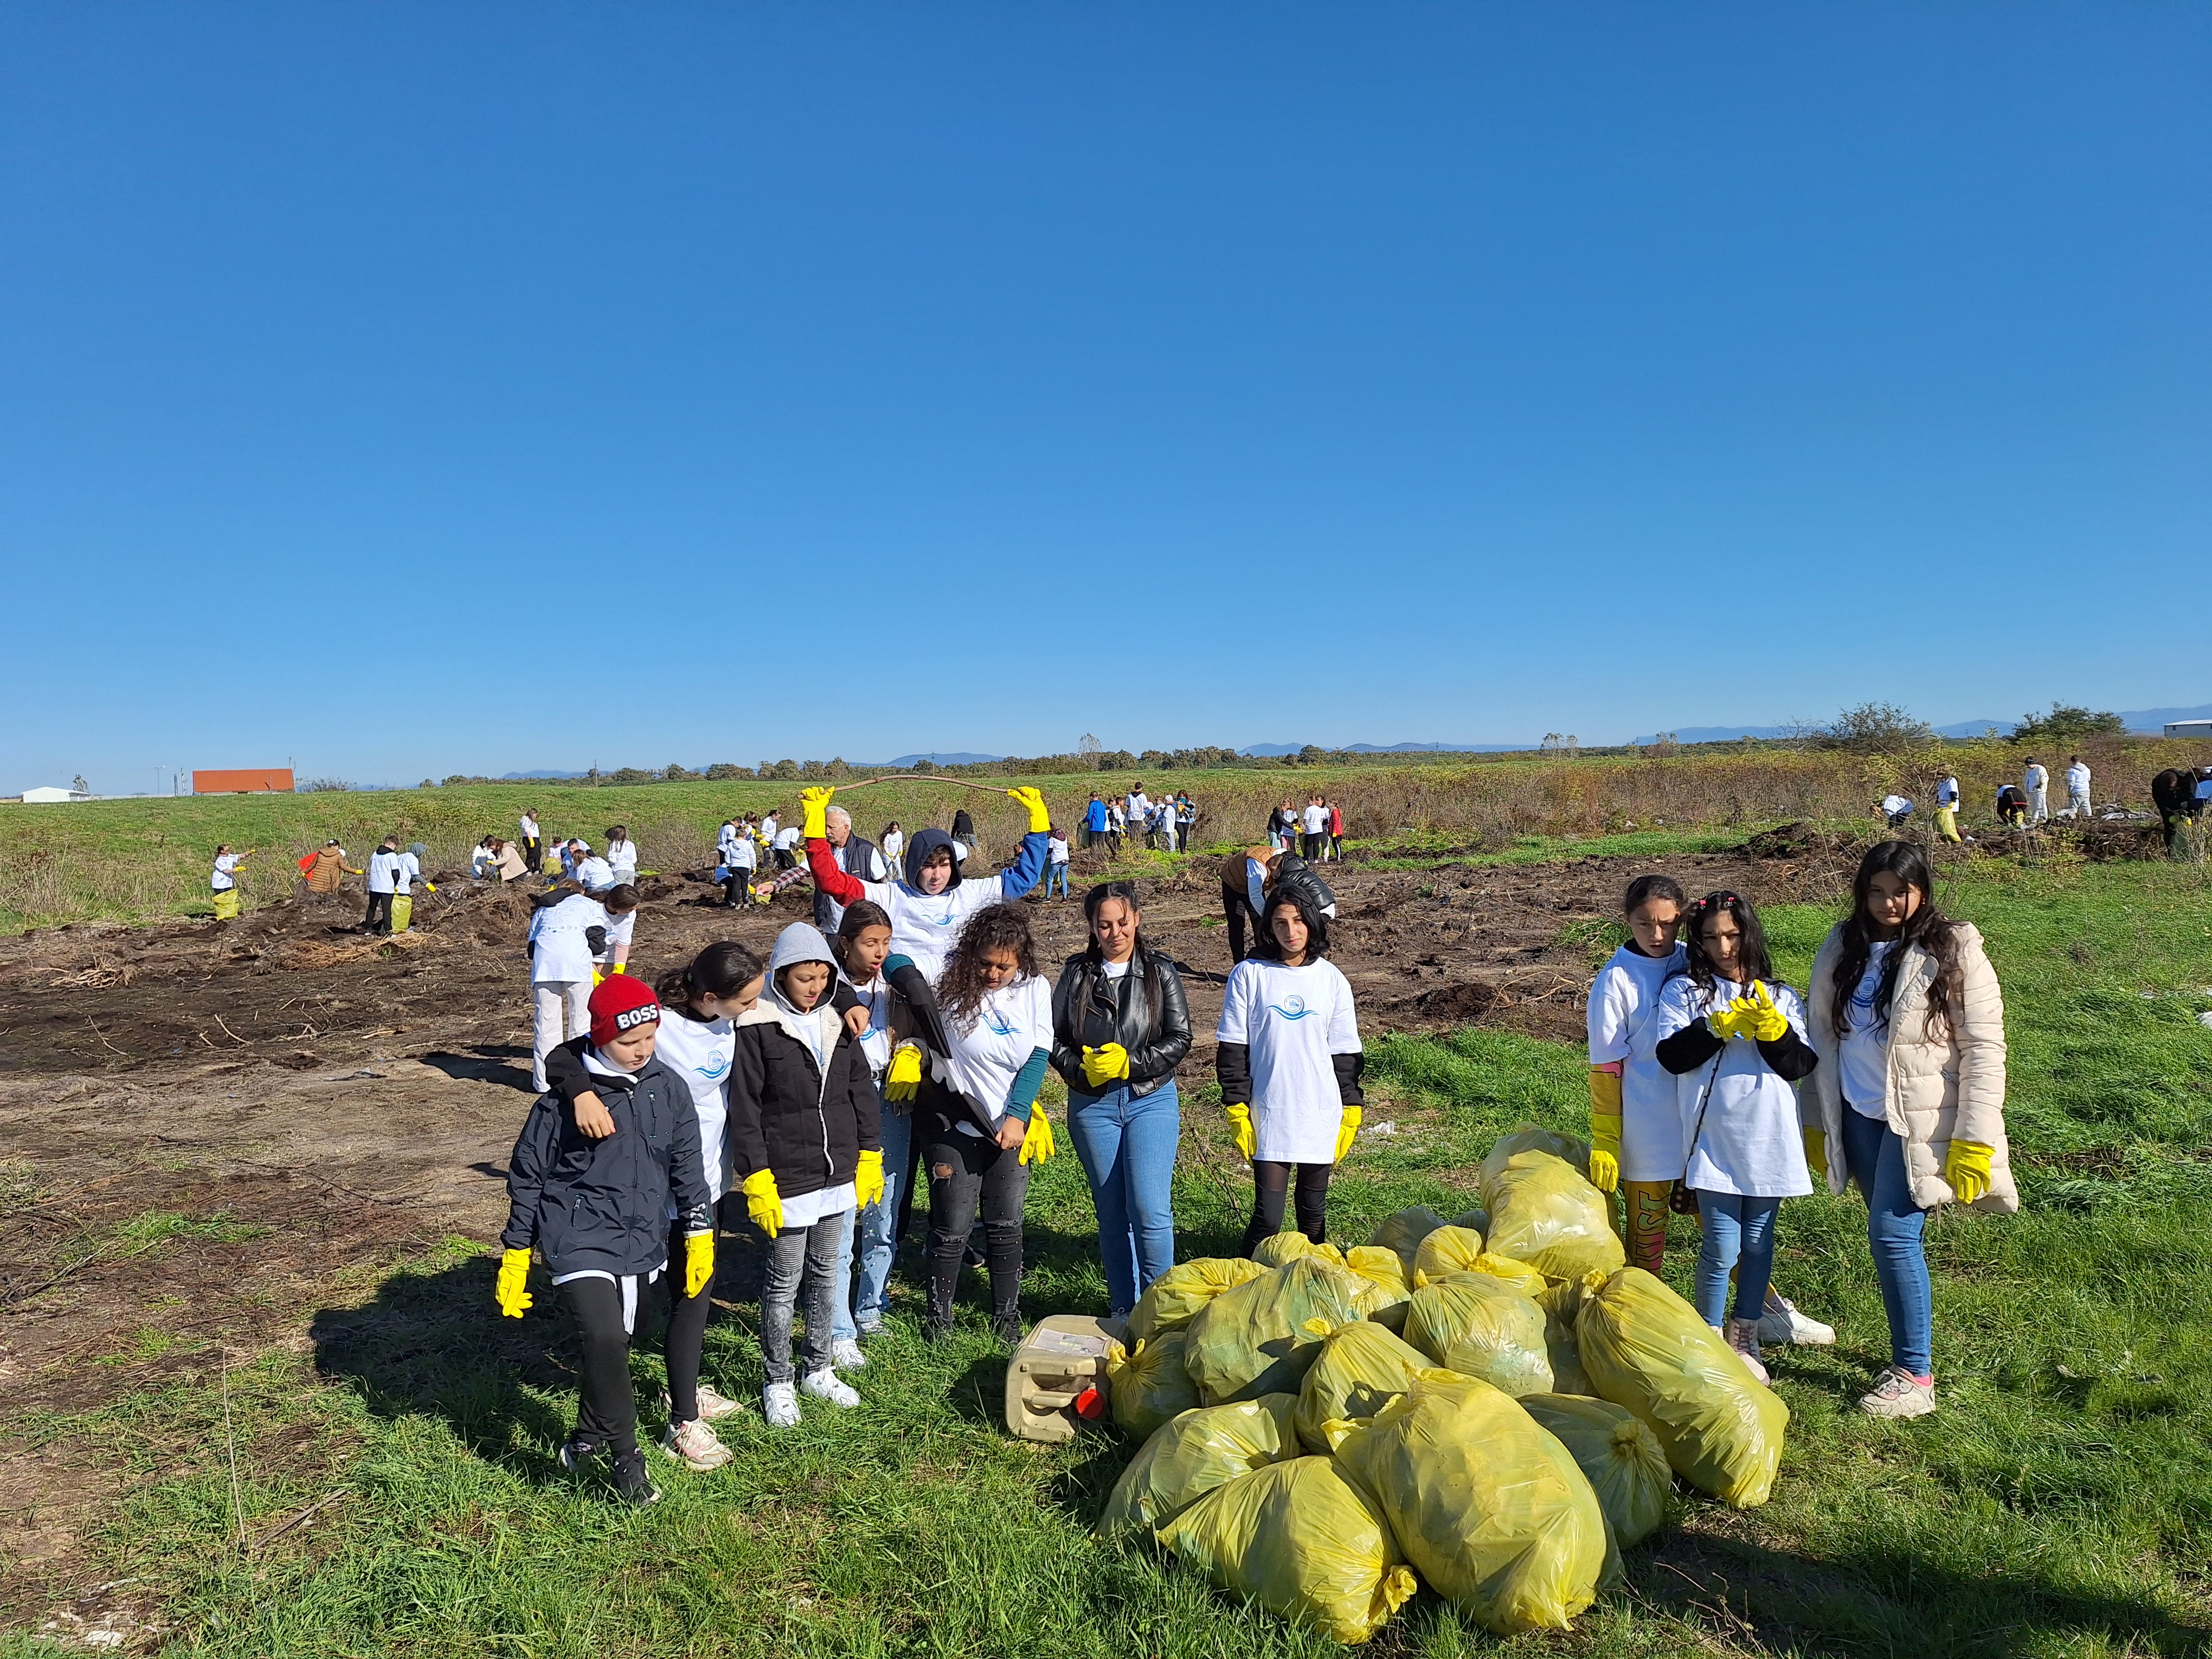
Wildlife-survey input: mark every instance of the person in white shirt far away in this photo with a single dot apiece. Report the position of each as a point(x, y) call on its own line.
point(533, 848)
point(622, 855)
point(2037, 781)
point(2077, 786)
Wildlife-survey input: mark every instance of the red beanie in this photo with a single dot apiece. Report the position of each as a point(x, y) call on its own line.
point(619, 1004)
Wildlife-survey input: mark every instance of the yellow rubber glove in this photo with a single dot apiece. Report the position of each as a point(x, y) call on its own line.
point(513, 1275)
point(905, 1074)
point(1766, 1022)
point(868, 1179)
point(1347, 1128)
point(598, 979)
point(762, 1202)
point(1730, 1022)
point(1240, 1126)
point(1103, 1064)
point(814, 812)
point(431, 886)
point(698, 1262)
point(1037, 1143)
point(1040, 815)
point(1816, 1153)
point(1966, 1168)
point(1605, 1129)
point(619, 968)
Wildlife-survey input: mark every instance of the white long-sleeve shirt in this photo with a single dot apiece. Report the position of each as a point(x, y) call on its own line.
point(383, 872)
point(2077, 778)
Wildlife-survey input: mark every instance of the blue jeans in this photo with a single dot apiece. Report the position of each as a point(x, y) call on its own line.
point(1127, 1146)
point(1739, 1234)
point(1876, 1157)
point(879, 1222)
point(1055, 873)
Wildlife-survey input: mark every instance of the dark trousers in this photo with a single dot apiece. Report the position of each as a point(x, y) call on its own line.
point(379, 919)
point(1237, 909)
point(533, 854)
point(733, 887)
point(965, 1170)
point(1270, 1184)
point(606, 1409)
point(687, 1332)
point(1313, 846)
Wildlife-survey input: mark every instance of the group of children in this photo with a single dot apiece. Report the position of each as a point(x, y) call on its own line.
point(1716, 1090)
point(1315, 829)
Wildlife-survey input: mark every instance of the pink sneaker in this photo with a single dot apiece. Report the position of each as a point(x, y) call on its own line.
point(1742, 1335)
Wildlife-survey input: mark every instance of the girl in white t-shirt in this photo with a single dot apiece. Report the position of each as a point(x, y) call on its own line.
point(1636, 1127)
point(1735, 1041)
point(697, 1042)
point(1289, 1061)
point(622, 855)
point(981, 1124)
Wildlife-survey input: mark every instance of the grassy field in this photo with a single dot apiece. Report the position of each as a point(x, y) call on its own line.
point(2060, 1504)
point(135, 859)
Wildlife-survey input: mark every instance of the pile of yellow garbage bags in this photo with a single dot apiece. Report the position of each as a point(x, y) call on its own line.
point(1494, 1406)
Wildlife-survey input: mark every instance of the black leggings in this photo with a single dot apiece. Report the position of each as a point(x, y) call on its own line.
point(606, 1409)
point(687, 1332)
point(1271, 1184)
point(965, 1170)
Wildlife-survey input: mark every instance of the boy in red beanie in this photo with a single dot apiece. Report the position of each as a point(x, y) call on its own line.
point(596, 1211)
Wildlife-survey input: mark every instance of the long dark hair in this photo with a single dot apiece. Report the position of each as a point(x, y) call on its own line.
point(1000, 926)
point(1644, 889)
point(1127, 892)
point(860, 916)
point(1927, 927)
point(1270, 947)
point(722, 970)
point(1751, 951)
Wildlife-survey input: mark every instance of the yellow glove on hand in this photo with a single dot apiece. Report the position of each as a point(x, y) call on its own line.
point(1605, 1129)
point(1767, 1022)
point(619, 968)
point(698, 1262)
point(431, 886)
point(868, 1179)
point(905, 1074)
point(1816, 1153)
point(1240, 1126)
point(1103, 1064)
point(814, 812)
point(1728, 1023)
point(514, 1275)
point(762, 1202)
point(598, 978)
point(1966, 1168)
point(1037, 1144)
point(1040, 815)
point(1345, 1130)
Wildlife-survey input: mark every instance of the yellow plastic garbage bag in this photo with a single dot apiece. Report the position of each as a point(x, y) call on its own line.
point(1174, 1299)
point(1189, 1457)
point(1404, 1230)
point(1260, 1338)
point(1482, 1327)
point(1361, 1369)
point(1542, 1211)
point(1450, 1248)
point(1301, 1541)
point(1386, 1270)
point(1285, 1247)
point(1625, 1463)
point(1645, 1348)
point(1147, 1385)
point(403, 912)
point(1562, 1303)
point(1487, 1505)
point(1528, 1138)
point(225, 904)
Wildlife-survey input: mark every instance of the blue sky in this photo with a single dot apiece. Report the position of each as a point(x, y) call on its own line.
point(406, 390)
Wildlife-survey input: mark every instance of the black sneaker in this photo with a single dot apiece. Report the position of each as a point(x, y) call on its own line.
point(972, 1257)
point(578, 1457)
point(631, 1481)
point(1007, 1327)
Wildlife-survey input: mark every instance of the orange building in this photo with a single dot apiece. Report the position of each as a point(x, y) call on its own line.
point(245, 780)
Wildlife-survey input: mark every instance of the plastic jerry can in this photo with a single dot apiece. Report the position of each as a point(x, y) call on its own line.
point(1057, 1378)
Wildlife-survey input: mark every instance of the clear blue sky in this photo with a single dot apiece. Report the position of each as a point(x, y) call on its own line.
point(413, 389)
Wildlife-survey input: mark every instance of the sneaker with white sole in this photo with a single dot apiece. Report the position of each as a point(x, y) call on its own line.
point(714, 1406)
point(696, 1445)
point(1742, 1335)
point(780, 1405)
point(828, 1385)
point(845, 1355)
point(578, 1457)
point(1780, 1322)
point(633, 1484)
point(1898, 1393)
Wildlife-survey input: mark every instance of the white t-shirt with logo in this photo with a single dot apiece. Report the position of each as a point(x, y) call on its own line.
point(225, 863)
point(701, 1051)
point(1011, 1024)
point(1291, 1020)
point(559, 952)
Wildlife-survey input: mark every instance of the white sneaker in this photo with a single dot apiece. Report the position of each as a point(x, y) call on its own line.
point(828, 1385)
point(1779, 1321)
point(713, 1407)
point(845, 1355)
point(696, 1445)
point(1742, 1335)
point(1898, 1393)
point(780, 1405)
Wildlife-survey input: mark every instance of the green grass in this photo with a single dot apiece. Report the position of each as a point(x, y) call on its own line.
point(1406, 852)
point(2060, 1504)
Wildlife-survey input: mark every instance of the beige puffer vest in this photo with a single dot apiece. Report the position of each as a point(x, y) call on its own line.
point(1941, 1087)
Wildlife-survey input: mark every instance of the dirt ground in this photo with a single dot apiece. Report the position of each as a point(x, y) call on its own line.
point(334, 1102)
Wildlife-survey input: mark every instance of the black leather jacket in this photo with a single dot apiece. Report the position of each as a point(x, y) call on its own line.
point(1090, 1009)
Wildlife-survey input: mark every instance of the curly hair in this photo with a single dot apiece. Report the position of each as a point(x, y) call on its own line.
point(1000, 926)
point(1927, 927)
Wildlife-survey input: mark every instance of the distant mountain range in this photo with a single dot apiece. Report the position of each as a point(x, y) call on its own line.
point(2147, 721)
point(1265, 750)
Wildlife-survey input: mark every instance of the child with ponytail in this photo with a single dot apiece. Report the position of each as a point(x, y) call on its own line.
point(1636, 1126)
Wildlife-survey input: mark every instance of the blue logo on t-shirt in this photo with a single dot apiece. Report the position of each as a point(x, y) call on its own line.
point(713, 1068)
point(1296, 1008)
point(1000, 1024)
